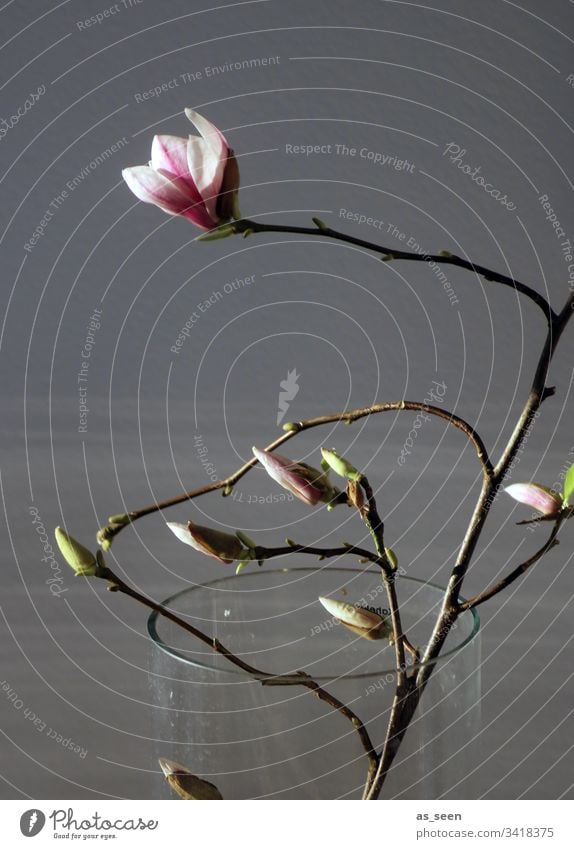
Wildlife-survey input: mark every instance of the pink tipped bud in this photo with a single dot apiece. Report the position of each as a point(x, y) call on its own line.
point(365, 623)
point(307, 483)
point(223, 547)
point(534, 495)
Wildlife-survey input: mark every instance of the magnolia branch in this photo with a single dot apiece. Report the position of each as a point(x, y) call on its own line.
point(107, 533)
point(297, 678)
point(247, 226)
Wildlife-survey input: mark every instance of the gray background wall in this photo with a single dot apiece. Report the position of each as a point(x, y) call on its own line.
point(396, 78)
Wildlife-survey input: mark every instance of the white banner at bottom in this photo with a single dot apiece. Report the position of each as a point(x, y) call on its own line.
point(261, 824)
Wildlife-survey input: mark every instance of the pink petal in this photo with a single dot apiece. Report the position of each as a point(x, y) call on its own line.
point(284, 471)
point(209, 132)
point(154, 187)
point(207, 170)
point(169, 153)
point(536, 496)
point(172, 194)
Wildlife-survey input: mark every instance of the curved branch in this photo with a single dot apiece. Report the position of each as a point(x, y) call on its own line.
point(108, 532)
point(246, 227)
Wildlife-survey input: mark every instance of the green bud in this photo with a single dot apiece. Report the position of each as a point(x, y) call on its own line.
point(339, 465)
point(320, 224)
point(291, 427)
point(446, 254)
point(568, 486)
point(393, 559)
point(82, 561)
point(119, 520)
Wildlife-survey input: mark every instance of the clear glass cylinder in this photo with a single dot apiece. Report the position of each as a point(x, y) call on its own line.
point(273, 742)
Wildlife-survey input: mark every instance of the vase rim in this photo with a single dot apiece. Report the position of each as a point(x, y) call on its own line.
point(177, 654)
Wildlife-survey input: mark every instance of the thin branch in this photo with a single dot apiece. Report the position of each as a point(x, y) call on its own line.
point(297, 678)
point(348, 416)
point(247, 227)
point(505, 582)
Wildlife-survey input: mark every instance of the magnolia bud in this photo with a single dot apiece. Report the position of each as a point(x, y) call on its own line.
point(82, 561)
point(339, 465)
point(307, 483)
point(223, 547)
point(537, 496)
point(365, 623)
point(187, 785)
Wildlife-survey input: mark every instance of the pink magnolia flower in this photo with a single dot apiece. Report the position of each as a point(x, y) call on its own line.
point(197, 177)
point(223, 547)
point(307, 483)
point(537, 496)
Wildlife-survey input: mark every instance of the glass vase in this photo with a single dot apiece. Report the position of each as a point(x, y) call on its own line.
point(282, 742)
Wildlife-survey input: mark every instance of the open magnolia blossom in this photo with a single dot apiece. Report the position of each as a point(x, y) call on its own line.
point(197, 177)
point(308, 484)
point(223, 547)
point(360, 620)
point(187, 785)
point(545, 500)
